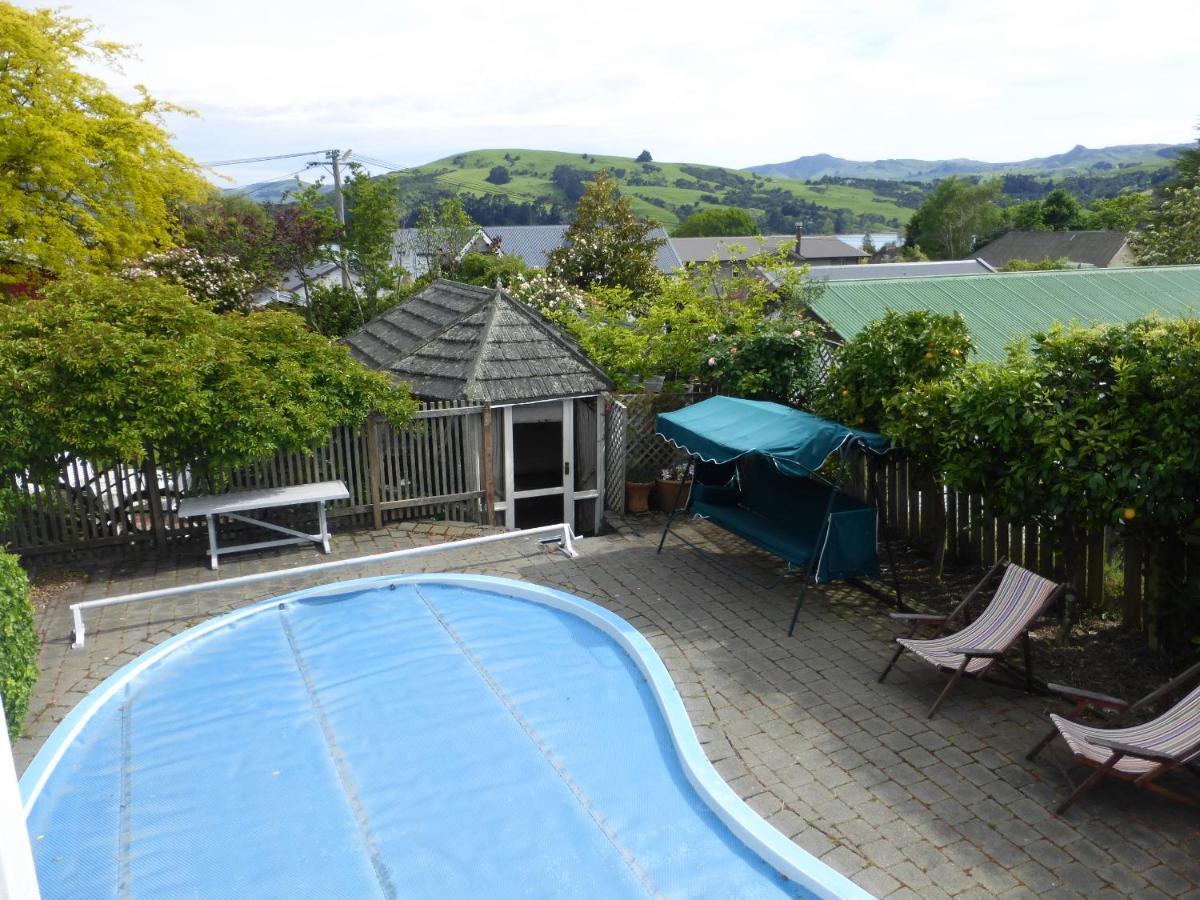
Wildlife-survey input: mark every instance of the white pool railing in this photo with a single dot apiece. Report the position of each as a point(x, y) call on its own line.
point(560, 533)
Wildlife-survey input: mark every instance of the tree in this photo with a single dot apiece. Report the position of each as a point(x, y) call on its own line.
point(1026, 216)
point(726, 222)
point(606, 243)
point(955, 218)
point(372, 216)
point(1173, 235)
point(644, 157)
point(88, 179)
point(868, 244)
point(1127, 212)
point(485, 269)
point(499, 175)
point(300, 232)
point(444, 233)
point(1061, 211)
point(1086, 428)
point(232, 225)
point(113, 370)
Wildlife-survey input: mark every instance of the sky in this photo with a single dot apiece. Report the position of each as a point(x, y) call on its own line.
point(699, 82)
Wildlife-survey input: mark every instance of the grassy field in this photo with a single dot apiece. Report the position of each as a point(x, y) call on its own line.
point(532, 170)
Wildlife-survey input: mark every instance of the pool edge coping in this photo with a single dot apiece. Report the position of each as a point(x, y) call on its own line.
point(786, 857)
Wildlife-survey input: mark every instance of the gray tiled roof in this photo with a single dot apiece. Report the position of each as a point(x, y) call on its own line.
point(727, 249)
point(1091, 248)
point(460, 342)
point(534, 244)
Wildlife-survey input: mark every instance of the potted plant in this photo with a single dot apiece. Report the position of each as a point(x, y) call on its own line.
point(671, 488)
point(638, 484)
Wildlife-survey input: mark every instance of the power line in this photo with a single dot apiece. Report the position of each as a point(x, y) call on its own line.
point(257, 159)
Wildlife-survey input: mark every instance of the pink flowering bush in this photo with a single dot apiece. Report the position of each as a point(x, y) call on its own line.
point(218, 281)
point(773, 361)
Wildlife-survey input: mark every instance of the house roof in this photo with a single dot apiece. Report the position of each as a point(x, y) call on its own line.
point(534, 243)
point(456, 341)
point(1091, 248)
point(731, 249)
point(899, 270)
point(1000, 308)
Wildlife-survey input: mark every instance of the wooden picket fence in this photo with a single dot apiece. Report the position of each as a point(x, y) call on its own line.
point(434, 468)
point(970, 532)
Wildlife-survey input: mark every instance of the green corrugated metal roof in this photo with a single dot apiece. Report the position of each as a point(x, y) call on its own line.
point(999, 308)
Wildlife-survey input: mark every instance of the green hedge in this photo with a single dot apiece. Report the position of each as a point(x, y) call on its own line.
point(18, 642)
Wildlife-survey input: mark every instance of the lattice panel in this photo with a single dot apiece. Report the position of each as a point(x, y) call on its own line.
point(615, 452)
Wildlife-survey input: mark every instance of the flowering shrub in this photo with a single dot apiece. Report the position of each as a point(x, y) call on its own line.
point(219, 281)
point(776, 360)
point(555, 299)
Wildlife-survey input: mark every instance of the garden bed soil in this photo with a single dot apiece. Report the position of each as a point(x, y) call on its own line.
point(1098, 654)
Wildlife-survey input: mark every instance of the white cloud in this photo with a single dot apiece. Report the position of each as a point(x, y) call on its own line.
point(693, 81)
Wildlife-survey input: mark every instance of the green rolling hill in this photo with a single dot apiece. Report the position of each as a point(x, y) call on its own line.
point(824, 194)
point(1079, 160)
point(665, 191)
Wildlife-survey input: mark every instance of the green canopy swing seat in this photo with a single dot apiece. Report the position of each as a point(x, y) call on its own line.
point(755, 468)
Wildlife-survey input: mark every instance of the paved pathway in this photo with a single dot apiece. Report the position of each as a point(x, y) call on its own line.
point(850, 769)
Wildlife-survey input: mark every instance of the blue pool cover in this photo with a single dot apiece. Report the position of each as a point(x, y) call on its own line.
point(440, 736)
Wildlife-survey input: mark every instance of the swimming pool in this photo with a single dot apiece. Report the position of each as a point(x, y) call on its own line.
point(417, 736)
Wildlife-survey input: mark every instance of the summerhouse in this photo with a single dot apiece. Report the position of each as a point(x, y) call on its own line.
point(543, 432)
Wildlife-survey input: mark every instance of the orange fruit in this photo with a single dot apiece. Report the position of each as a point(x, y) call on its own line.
point(1129, 513)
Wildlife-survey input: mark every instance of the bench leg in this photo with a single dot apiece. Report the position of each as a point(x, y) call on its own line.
point(212, 542)
point(324, 526)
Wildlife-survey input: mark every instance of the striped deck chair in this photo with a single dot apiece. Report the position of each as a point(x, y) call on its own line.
point(978, 649)
point(1137, 753)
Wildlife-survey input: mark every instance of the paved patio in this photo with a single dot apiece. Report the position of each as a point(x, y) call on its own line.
point(849, 769)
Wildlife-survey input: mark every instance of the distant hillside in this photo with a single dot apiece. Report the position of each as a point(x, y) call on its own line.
point(662, 192)
point(836, 195)
point(271, 191)
point(1079, 160)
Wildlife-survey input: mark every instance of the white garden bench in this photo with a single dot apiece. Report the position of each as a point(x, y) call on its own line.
point(232, 505)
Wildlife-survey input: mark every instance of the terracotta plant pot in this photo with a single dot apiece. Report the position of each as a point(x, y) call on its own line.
point(669, 494)
point(637, 496)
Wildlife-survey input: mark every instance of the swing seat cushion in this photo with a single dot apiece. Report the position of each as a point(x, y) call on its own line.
point(783, 515)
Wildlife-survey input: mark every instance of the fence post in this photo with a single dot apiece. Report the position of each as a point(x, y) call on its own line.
point(489, 473)
point(1131, 602)
point(375, 470)
point(150, 474)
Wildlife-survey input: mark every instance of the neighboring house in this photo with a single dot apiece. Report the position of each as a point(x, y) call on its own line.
point(411, 252)
point(532, 243)
point(535, 243)
point(900, 270)
point(818, 250)
point(291, 289)
point(1000, 308)
point(1102, 249)
point(454, 341)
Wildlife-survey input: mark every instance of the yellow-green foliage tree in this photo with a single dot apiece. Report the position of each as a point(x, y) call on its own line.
point(87, 180)
point(113, 370)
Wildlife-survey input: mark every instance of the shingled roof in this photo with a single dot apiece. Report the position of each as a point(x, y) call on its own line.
point(1089, 248)
point(456, 341)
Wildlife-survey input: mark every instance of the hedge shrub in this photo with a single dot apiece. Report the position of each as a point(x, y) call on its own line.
point(18, 642)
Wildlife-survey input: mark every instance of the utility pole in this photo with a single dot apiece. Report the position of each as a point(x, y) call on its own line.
point(335, 159)
point(339, 207)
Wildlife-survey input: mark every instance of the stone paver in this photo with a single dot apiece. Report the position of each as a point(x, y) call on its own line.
point(849, 769)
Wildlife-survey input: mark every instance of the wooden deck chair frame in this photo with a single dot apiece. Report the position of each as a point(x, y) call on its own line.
point(1085, 700)
point(1011, 676)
